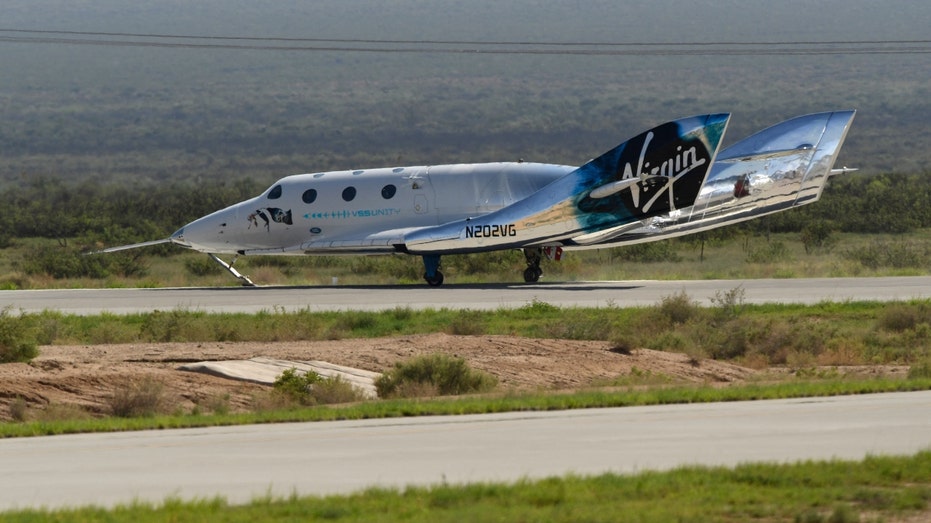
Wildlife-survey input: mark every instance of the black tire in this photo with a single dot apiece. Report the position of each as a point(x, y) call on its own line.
point(532, 275)
point(436, 281)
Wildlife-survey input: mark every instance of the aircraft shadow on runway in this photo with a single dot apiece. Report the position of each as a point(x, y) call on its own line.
point(565, 286)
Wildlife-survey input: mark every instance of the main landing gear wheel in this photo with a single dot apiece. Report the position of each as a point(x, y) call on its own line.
point(533, 272)
point(431, 265)
point(532, 275)
point(434, 281)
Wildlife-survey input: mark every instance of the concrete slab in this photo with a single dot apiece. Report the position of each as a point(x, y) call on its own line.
point(267, 370)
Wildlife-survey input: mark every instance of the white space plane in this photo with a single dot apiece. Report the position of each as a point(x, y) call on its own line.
point(668, 181)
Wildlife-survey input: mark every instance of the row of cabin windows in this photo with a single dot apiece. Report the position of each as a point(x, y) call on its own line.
point(349, 193)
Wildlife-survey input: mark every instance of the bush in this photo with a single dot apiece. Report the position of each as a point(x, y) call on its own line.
point(19, 409)
point(729, 303)
point(899, 317)
point(17, 338)
point(443, 374)
point(310, 388)
point(138, 399)
point(816, 236)
point(678, 308)
point(335, 390)
point(295, 386)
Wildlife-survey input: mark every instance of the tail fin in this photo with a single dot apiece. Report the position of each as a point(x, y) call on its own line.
point(778, 168)
point(653, 173)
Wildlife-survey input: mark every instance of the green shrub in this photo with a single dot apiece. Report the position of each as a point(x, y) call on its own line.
point(443, 374)
point(310, 388)
point(678, 308)
point(17, 338)
point(295, 386)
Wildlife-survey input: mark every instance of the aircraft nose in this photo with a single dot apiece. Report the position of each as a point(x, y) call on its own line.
point(178, 238)
point(207, 234)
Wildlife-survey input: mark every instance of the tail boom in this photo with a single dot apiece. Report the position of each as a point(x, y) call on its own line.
point(656, 172)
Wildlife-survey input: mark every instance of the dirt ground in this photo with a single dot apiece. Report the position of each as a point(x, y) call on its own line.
point(85, 377)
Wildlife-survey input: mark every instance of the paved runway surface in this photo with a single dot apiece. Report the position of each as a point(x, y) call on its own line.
point(492, 296)
point(319, 458)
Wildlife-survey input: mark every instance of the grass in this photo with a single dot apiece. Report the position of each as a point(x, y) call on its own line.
point(632, 395)
point(874, 489)
point(851, 333)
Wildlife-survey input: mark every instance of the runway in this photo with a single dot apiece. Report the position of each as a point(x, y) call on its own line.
point(475, 297)
point(244, 462)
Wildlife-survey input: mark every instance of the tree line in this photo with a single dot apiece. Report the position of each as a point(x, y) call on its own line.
point(113, 213)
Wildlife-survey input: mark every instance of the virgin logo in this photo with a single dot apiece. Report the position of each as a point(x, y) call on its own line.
point(672, 168)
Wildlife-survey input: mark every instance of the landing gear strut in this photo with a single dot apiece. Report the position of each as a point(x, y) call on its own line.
point(431, 264)
point(246, 282)
point(533, 271)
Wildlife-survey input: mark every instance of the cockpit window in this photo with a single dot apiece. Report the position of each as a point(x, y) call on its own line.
point(275, 193)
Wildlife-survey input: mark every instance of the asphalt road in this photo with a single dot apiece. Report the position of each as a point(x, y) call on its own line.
point(492, 296)
point(245, 462)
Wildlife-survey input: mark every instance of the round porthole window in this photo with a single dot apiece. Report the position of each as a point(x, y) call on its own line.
point(388, 191)
point(349, 193)
point(309, 195)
